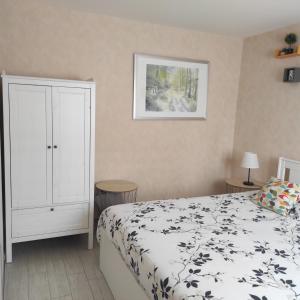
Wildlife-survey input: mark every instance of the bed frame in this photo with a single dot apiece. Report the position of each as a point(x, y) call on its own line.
point(118, 276)
point(288, 169)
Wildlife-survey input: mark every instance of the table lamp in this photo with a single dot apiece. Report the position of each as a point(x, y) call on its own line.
point(249, 161)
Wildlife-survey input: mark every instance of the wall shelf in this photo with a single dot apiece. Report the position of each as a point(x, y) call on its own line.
point(296, 53)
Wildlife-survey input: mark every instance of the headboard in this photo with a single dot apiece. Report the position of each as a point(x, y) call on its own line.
point(289, 169)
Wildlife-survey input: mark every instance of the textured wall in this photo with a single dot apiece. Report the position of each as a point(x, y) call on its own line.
point(166, 158)
point(268, 111)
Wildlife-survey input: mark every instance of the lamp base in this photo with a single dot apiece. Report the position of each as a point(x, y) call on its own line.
point(248, 183)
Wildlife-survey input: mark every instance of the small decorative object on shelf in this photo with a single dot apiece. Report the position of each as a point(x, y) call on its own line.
point(291, 51)
point(249, 161)
point(291, 75)
point(290, 39)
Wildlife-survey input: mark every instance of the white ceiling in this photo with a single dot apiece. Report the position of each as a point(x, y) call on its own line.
point(232, 17)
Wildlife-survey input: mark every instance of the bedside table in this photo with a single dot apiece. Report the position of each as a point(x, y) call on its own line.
point(235, 185)
point(126, 189)
point(111, 192)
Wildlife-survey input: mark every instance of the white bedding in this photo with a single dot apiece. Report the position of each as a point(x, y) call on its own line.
point(216, 247)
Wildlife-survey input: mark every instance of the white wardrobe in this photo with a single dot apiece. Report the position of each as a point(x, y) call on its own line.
point(48, 157)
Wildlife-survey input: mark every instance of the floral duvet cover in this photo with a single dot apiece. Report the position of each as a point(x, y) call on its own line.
point(214, 247)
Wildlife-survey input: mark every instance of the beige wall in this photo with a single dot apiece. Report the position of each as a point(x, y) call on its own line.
point(166, 158)
point(268, 111)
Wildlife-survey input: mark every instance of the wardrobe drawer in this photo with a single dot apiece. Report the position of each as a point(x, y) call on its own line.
point(49, 219)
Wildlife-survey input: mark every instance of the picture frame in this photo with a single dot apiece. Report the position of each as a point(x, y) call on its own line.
point(169, 88)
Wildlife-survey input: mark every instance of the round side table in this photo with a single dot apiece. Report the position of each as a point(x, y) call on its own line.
point(121, 191)
point(235, 185)
point(128, 189)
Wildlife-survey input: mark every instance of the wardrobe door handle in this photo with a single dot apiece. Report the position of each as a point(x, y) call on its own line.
point(55, 147)
point(49, 147)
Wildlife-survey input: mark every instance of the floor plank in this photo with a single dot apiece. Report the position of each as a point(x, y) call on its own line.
point(39, 287)
point(97, 291)
point(59, 286)
point(36, 259)
point(57, 275)
point(63, 298)
point(16, 281)
point(106, 292)
point(55, 269)
point(90, 262)
point(72, 262)
point(80, 287)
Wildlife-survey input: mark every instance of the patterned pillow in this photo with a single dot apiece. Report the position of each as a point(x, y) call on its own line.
point(279, 196)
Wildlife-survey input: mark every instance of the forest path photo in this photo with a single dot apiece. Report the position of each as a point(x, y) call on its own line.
point(171, 89)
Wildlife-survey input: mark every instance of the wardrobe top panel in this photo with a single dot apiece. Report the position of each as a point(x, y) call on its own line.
point(47, 81)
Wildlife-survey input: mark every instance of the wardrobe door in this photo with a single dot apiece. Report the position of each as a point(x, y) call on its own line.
point(30, 142)
point(71, 144)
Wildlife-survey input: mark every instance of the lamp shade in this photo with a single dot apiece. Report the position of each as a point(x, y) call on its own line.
point(250, 161)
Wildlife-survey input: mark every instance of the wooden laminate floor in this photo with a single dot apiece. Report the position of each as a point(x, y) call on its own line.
point(60, 269)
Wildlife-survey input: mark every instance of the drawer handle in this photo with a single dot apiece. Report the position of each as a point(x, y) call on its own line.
point(52, 209)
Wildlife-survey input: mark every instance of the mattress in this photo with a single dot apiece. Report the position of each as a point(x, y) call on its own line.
point(214, 247)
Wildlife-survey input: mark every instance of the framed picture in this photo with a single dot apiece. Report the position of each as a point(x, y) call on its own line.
point(169, 88)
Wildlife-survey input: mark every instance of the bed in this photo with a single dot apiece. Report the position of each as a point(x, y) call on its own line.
point(214, 247)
